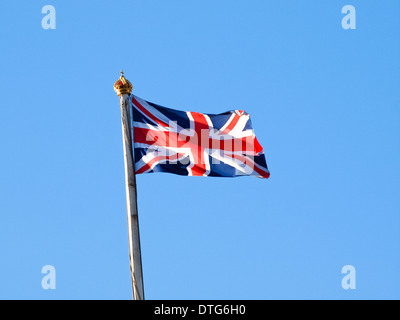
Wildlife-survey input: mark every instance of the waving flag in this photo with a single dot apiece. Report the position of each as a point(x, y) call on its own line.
point(194, 144)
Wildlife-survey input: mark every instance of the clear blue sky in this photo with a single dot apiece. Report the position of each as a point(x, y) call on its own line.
point(325, 105)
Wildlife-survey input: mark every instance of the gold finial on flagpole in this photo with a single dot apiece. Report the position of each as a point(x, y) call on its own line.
point(122, 85)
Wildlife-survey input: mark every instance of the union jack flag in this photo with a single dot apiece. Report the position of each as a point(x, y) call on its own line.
point(194, 144)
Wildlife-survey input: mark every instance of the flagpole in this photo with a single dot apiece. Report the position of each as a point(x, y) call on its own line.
point(123, 88)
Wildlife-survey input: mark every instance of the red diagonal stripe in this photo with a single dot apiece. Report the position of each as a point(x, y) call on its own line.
point(233, 123)
point(147, 113)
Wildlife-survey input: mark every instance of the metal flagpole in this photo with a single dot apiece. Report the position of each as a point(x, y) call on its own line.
point(123, 88)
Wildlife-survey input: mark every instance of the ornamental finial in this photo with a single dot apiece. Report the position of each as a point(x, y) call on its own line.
point(122, 85)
